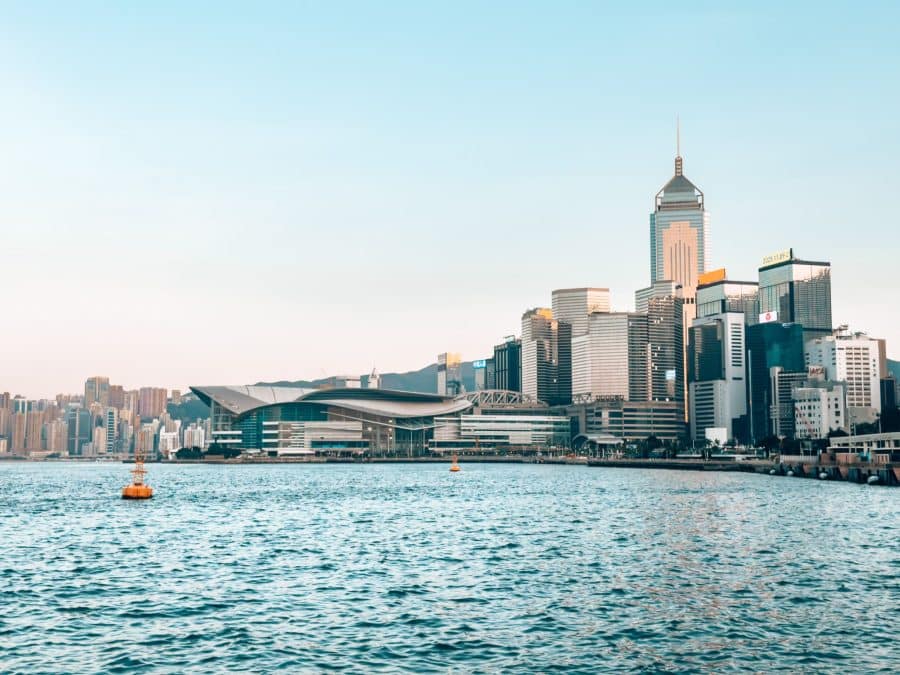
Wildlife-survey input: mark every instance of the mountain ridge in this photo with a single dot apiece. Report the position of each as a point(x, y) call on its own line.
point(423, 380)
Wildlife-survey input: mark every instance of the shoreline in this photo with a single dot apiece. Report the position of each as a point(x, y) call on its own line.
point(887, 474)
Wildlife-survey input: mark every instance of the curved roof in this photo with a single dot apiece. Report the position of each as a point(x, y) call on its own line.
point(241, 400)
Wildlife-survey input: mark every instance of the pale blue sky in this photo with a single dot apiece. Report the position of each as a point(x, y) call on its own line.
point(230, 192)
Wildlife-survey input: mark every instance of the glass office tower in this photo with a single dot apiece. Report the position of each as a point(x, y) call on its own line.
point(679, 233)
point(773, 348)
point(725, 296)
point(797, 291)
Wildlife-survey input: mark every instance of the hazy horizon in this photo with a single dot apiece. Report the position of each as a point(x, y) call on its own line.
point(275, 193)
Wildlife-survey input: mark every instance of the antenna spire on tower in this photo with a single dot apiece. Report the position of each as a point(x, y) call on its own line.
point(678, 162)
point(677, 136)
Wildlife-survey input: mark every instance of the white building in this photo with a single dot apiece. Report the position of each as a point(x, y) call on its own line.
point(575, 305)
point(600, 357)
point(853, 359)
point(819, 410)
point(168, 443)
point(717, 372)
point(489, 433)
point(194, 436)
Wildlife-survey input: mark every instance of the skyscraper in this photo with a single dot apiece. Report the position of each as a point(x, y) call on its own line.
point(540, 355)
point(774, 348)
point(665, 339)
point(508, 365)
point(449, 378)
point(152, 402)
point(679, 228)
point(717, 375)
point(575, 305)
point(717, 295)
point(96, 390)
point(610, 360)
point(796, 291)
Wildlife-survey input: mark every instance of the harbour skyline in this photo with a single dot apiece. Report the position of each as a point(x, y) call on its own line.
point(428, 214)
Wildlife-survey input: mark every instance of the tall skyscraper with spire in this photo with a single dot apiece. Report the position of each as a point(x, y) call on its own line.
point(679, 227)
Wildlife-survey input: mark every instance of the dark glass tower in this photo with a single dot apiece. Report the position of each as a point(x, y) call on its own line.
point(665, 333)
point(508, 365)
point(799, 291)
point(770, 345)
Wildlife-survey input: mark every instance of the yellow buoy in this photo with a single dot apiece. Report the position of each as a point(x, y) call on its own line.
point(454, 466)
point(137, 489)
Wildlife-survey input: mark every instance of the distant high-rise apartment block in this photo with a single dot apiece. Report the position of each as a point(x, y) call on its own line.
point(449, 374)
point(152, 402)
point(796, 291)
point(111, 424)
point(679, 230)
point(116, 396)
point(96, 390)
point(79, 429)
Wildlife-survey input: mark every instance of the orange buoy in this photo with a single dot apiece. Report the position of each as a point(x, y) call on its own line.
point(454, 466)
point(138, 489)
point(137, 492)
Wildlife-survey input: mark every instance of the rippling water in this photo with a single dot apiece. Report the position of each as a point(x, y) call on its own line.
point(499, 567)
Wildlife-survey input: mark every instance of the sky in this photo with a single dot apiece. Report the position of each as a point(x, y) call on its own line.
point(210, 193)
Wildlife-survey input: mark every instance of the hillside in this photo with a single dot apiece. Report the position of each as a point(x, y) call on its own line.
point(423, 380)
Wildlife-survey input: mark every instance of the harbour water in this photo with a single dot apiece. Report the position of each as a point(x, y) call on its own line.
point(497, 568)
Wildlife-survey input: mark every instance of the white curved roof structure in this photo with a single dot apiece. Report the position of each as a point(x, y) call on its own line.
point(241, 400)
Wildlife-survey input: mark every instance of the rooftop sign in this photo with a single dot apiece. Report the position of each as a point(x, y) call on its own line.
point(780, 257)
point(711, 277)
point(768, 317)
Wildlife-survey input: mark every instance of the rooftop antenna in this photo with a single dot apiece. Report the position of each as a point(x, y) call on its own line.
point(678, 161)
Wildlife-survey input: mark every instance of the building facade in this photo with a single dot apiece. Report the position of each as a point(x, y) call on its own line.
point(501, 433)
point(629, 421)
point(546, 343)
point(773, 348)
point(281, 421)
point(722, 296)
point(575, 305)
point(796, 291)
point(717, 374)
point(449, 374)
point(819, 409)
point(508, 365)
point(853, 359)
point(679, 231)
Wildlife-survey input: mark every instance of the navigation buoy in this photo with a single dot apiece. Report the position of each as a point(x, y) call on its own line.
point(138, 489)
point(454, 466)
